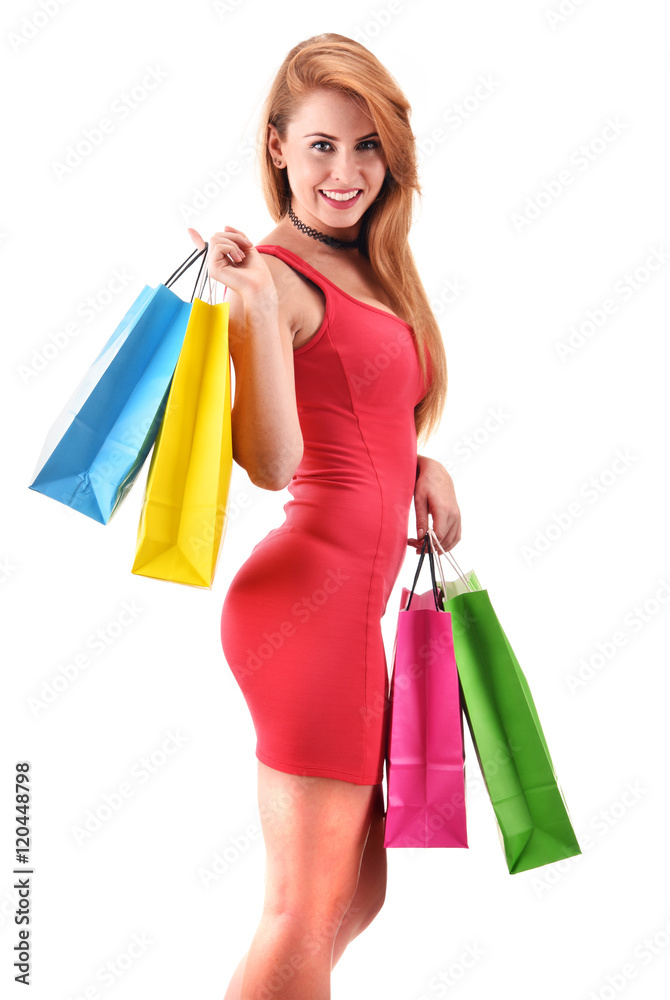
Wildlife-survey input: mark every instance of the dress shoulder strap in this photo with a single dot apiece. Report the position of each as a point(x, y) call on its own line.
point(293, 260)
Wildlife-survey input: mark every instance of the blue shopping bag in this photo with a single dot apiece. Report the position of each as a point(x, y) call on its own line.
point(97, 445)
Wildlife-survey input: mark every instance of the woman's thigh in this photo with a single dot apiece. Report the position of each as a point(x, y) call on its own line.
point(315, 830)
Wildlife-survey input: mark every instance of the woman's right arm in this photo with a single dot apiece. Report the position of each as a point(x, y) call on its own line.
point(266, 434)
point(267, 440)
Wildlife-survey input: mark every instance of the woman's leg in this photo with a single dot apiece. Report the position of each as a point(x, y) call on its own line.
point(234, 991)
point(371, 889)
point(315, 831)
point(368, 898)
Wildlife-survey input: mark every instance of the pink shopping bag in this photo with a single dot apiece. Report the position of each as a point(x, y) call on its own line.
point(425, 761)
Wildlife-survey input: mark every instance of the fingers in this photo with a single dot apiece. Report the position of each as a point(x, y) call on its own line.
point(230, 247)
point(197, 238)
point(234, 235)
point(224, 247)
point(450, 539)
point(231, 229)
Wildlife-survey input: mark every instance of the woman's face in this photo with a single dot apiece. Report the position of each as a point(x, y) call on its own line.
point(350, 160)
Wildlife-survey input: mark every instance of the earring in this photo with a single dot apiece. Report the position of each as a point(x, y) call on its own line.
point(277, 162)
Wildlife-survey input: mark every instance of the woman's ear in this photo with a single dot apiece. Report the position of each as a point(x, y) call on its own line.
point(274, 142)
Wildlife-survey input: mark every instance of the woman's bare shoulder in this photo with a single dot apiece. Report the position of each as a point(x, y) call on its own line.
point(289, 284)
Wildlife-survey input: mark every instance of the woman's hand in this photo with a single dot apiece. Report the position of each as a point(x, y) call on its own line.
point(434, 494)
point(234, 261)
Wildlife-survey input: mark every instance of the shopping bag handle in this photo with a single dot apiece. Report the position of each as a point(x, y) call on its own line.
point(436, 542)
point(436, 595)
point(185, 266)
point(206, 276)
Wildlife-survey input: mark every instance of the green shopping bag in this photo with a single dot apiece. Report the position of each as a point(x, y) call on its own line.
point(532, 817)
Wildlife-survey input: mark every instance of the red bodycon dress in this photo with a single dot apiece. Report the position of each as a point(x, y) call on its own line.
point(301, 620)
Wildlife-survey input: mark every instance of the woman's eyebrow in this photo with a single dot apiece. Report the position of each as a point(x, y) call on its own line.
point(335, 139)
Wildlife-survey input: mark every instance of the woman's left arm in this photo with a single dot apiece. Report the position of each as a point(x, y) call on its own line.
point(434, 494)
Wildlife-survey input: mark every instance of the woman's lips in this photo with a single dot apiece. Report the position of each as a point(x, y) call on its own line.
point(340, 204)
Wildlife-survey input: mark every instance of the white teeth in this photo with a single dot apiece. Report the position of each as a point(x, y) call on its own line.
point(338, 196)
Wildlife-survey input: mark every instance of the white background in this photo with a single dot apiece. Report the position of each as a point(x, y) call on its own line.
point(561, 931)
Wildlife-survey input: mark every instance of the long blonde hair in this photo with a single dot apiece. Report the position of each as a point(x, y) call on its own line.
point(334, 61)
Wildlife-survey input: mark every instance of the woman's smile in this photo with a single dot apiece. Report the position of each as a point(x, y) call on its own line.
point(345, 200)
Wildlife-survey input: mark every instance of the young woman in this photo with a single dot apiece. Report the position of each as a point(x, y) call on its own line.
point(339, 370)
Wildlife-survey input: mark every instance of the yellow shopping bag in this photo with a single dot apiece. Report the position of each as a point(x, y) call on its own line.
point(183, 518)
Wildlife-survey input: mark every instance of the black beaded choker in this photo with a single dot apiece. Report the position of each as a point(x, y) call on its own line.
point(332, 241)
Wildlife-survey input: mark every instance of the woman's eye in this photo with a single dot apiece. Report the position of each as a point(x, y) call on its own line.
point(368, 143)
